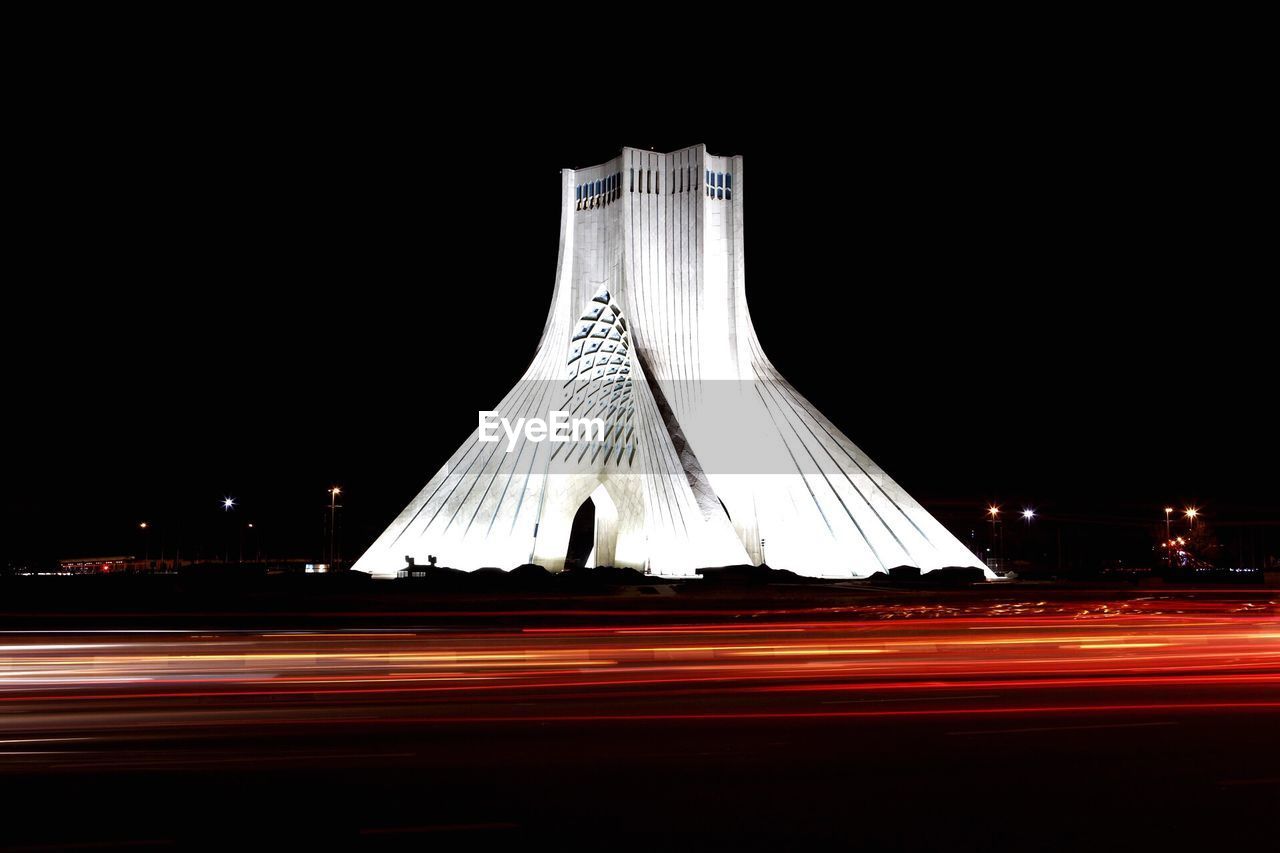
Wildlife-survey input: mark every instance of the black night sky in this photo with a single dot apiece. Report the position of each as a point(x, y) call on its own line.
point(1049, 301)
point(1015, 261)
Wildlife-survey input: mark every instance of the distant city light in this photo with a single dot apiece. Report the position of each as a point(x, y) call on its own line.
point(228, 503)
point(1192, 512)
point(994, 510)
point(1028, 514)
point(143, 525)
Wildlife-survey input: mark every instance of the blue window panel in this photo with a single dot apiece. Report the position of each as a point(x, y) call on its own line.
point(728, 180)
point(719, 192)
point(720, 179)
point(597, 188)
point(577, 192)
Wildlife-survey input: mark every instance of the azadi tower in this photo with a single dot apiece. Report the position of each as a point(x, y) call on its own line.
point(708, 456)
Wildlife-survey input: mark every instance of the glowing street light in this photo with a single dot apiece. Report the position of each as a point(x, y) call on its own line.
point(994, 512)
point(1028, 514)
point(1192, 513)
point(255, 544)
point(228, 503)
point(333, 518)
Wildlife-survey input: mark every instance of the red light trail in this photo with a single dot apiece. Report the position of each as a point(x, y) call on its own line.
point(581, 724)
point(62, 691)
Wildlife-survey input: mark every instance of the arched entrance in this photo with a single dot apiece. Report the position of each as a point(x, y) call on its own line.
point(582, 537)
point(593, 536)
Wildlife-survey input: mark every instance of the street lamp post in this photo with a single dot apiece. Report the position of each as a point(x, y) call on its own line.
point(1028, 550)
point(333, 520)
point(994, 512)
point(228, 504)
point(146, 543)
point(1168, 535)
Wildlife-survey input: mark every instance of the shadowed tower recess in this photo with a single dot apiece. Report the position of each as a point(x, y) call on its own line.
point(708, 458)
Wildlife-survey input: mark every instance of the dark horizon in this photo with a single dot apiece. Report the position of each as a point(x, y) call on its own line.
point(1044, 313)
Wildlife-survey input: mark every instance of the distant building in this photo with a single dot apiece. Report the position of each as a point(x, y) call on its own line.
point(96, 565)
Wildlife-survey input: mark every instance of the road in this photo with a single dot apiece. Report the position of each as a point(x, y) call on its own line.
point(1120, 723)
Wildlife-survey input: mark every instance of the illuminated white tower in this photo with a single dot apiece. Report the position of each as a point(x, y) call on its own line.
point(709, 456)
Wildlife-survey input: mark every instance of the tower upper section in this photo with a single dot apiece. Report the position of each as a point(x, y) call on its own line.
point(663, 231)
point(636, 170)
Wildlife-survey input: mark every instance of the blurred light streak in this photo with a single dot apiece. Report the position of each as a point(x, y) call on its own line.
point(1148, 656)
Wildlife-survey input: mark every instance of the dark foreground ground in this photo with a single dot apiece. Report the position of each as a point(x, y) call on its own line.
point(994, 718)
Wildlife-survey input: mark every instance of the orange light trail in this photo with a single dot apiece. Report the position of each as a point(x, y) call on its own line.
point(62, 691)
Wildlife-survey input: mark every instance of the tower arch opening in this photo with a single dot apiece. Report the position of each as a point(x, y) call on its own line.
point(593, 534)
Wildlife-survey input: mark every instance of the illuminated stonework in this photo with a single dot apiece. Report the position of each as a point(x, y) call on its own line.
point(598, 382)
point(709, 456)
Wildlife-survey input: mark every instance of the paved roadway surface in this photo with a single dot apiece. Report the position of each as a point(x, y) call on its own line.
point(1126, 722)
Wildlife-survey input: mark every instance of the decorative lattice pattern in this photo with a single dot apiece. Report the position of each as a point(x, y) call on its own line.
point(599, 383)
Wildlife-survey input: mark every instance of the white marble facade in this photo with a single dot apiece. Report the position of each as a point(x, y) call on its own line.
point(709, 451)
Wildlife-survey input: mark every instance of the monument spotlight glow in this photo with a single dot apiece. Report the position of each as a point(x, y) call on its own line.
point(700, 450)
